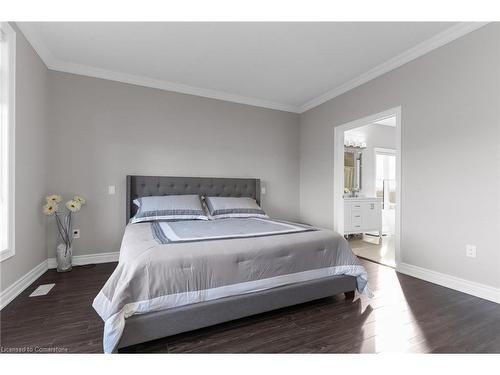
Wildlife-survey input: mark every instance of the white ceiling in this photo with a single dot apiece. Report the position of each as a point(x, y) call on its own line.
point(389, 121)
point(287, 66)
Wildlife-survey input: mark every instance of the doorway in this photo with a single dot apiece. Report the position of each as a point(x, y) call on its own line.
point(367, 192)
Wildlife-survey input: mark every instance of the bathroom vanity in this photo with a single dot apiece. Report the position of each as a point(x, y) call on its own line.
point(362, 215)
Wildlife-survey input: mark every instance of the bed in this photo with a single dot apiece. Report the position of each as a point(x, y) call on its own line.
point(174, 277)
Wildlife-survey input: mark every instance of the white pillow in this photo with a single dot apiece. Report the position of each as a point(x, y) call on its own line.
point(168, 207)
point(226, 207)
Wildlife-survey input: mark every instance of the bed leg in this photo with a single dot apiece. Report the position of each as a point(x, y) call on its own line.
point(349, 295)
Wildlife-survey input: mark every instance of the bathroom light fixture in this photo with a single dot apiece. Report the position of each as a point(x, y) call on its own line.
point(348, 142)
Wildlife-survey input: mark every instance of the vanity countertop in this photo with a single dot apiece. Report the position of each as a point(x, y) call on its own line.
point(362, 198)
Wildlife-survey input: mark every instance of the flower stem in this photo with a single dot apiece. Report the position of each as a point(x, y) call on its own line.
point(62, 230)
point(69, 234)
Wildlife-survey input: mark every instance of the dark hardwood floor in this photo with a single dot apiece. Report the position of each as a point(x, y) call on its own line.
point(405, 315)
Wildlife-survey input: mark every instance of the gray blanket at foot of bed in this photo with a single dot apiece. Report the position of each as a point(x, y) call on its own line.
point(151, 276)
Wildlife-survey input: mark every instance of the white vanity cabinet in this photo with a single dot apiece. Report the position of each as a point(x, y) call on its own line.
point(362, 215)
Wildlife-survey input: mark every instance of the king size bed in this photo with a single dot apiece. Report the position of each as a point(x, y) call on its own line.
point(215, 264)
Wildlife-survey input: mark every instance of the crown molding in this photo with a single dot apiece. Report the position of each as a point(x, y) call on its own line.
point(421, 49)
point(67, 67)
point(38, 45)
point(53, 63)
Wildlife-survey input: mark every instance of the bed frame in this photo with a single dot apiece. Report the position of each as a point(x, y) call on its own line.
point(155, 325)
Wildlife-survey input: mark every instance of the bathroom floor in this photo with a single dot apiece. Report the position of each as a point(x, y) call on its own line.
point(371, 248)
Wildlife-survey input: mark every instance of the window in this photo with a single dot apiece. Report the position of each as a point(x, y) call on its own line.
point(385, 179)
point(7, 121)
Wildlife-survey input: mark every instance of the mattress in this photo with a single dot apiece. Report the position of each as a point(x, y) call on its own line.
point(164, 266)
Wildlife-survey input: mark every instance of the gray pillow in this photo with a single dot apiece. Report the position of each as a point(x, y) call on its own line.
point(169, 207)
point(226, 207)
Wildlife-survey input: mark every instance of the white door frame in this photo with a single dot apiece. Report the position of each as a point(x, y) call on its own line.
point(338, 172)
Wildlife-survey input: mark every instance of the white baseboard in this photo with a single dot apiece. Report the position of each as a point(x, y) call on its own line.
point(20, 285)
point(470, 287)
point(476, 289)
point(81, 260)
point(17, 288)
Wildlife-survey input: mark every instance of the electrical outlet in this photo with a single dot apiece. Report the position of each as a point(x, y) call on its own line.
point(76, 233)
point(470, 251)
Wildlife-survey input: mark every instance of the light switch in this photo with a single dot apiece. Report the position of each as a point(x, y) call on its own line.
point(111, 190)
point(263, 190)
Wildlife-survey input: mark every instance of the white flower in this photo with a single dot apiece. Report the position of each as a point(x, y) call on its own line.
point(50, 208)
point(53, 198)
point(73, 206)
point(79, 199)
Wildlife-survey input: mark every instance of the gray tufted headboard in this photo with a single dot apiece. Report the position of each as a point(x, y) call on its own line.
point(142, 186)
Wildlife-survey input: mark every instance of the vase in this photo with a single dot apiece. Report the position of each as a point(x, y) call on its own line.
point(64, 258)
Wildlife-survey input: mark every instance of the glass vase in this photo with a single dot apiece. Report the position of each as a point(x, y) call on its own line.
point(64, 258)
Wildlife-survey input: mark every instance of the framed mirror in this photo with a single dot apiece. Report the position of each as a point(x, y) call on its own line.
point(352, 170)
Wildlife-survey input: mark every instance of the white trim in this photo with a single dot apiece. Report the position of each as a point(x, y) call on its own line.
point(25, 281)
point(7, 295)
point(33, 36)
point(69, 67)
point(421, 49)
point(338, 172)
point(81, 260)
point(7, 253)
point(11, 105)
point(289, 228)
point(470, 287)
point(382, 150)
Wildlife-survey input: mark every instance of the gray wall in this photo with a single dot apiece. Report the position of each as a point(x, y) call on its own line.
point(31, 163)
point(103, 130)
point(450, 154)
point(99, 131)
